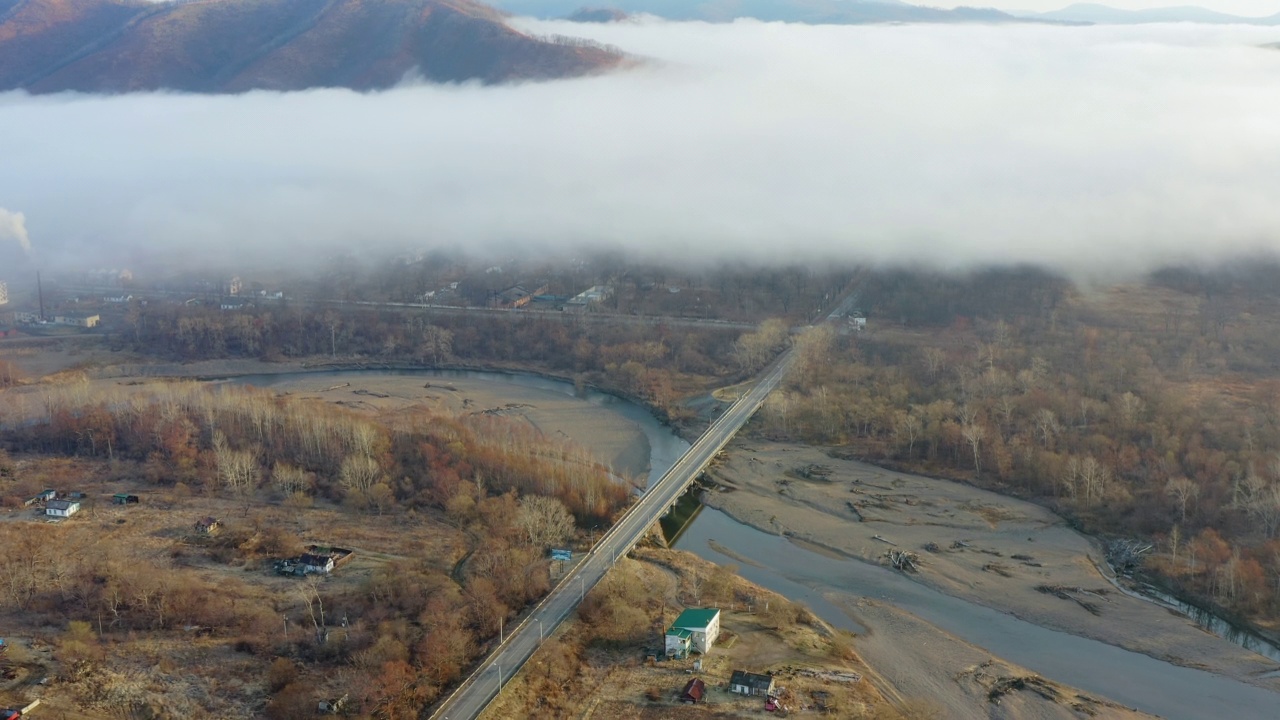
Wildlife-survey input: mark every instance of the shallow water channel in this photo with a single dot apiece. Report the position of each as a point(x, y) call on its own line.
point(1095, 667)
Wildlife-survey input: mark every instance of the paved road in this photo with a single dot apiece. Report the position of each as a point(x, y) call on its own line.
point(595, 316)
point(470, 699)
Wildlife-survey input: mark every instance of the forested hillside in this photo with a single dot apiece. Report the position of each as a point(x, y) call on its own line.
point(1145, 410)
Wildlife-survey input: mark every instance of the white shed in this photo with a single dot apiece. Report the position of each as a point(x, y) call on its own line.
point(62, 508)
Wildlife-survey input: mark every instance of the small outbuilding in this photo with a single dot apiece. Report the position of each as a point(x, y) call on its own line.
point(124, 499)
point(208, 525)
point(47, 495)
point(61, 508)
point(749, 683)
point(694, 691)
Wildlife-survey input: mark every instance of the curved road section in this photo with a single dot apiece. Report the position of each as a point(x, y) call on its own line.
point(471, 698)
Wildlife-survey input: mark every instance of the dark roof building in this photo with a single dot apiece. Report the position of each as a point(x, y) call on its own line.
point(207, 525)
point(748, 683)
point(316, 563)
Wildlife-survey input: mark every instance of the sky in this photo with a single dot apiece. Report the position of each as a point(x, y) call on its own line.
point(1110, 149)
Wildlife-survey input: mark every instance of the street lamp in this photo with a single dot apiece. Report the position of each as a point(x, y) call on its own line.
point(499, 676)
point(582, 588)
point(539, 630)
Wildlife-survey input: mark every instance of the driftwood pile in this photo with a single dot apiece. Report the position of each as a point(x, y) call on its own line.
point(813, 471)
point(998, 568)
point(1071, 593)
point(1036, 684)
point(903, 560)
point(1124, 556)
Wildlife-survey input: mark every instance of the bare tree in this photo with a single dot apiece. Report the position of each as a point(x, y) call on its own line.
point(437, 344)
point(1182, 490)
point(1047, 425)
point(974, 434)
point(907, 427)
point(545, 521)
point(358, 474)
point(935, 361)
point(290, 479)
point(309, 591)
point(1094, 478)
point(238, 469)
point(1129, 407)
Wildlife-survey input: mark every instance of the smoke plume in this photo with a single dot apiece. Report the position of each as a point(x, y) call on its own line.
point(13, 227)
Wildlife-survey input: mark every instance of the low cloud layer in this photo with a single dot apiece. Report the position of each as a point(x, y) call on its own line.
point(1080, 148)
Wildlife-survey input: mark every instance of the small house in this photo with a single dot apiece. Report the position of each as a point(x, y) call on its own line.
point(208, 525)
point(311, 563)
point(124, 499)
point(47, 495)
point(703, 625)
point(678, 641)
point(62, 508)
point(694, 691)
point(748, 683)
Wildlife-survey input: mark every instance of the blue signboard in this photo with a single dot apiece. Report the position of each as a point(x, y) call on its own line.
point(565, 555)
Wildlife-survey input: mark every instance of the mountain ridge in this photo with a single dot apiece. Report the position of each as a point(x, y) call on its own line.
point(214, 46)
point(842, 12)
point(1100, 14)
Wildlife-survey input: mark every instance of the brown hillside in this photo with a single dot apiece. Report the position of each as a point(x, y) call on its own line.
point(236, 45)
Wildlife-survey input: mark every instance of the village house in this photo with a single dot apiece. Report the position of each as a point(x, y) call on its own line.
point(124, 499)
point(311, 563)
point(208, 525)
point(694, 691)
point(84, 320)
point(593, 295)
point(702, 624)
point(61, 508)
point(678, 641)
point(748, 683)
point(317, 560)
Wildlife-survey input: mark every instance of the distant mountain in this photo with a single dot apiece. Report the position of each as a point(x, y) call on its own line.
point(1104, 15)
point(843, 12)
point(235, 45)
point(597, 15)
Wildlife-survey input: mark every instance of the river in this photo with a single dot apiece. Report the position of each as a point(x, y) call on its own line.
point(1126, 677)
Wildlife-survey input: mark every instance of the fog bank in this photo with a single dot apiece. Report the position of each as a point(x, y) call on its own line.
point(1080, 148)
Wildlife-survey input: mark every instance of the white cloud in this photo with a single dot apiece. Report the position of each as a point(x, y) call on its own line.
point(1078, 147)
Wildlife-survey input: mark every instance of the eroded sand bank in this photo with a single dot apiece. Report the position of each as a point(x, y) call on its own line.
point(973, 544)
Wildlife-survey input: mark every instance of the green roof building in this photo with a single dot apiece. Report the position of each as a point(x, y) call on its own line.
point(702, 624)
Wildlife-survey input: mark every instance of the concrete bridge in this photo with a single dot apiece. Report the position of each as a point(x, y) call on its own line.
point(478, 690)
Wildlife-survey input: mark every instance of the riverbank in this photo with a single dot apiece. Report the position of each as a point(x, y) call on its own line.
point(611, 439)
point(1006, 554)
point(379, 388)
point(916, 659)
